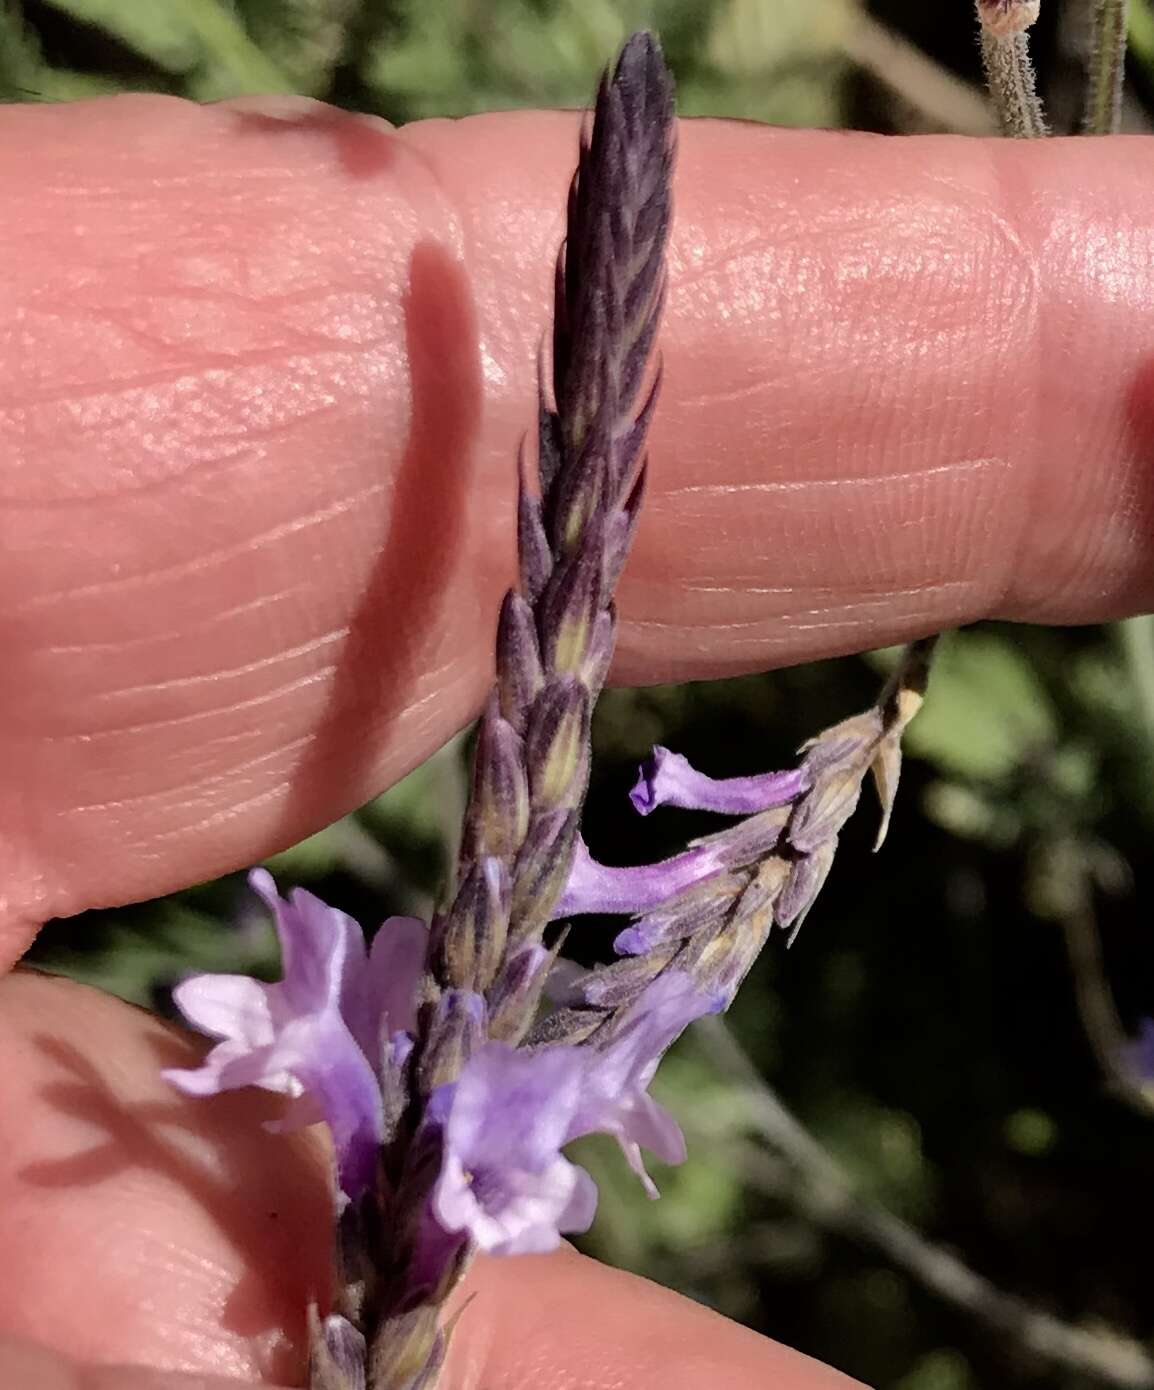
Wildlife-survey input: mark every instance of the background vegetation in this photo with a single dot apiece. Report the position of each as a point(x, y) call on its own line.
point(946, 1035)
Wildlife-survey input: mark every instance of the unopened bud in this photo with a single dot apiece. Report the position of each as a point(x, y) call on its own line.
point(516, 991)
point(456, 1029)
point(1003, 18)
point(336, 1353)
point(499, 810)
point(557, 745)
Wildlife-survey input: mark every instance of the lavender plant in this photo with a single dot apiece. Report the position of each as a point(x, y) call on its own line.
point(454, 1061)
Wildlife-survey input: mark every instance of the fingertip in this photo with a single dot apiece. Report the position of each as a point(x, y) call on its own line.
point(145, 1225)
point(27, 1366)
point(566, 1321)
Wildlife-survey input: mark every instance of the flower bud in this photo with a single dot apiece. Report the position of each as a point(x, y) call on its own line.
point(1002, 18)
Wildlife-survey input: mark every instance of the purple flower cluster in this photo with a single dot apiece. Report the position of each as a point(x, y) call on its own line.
point(340, 1017)
point(449, 1094)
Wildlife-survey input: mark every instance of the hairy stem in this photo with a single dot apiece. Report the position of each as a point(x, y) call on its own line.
point(1103, 110)
point(1009, 71)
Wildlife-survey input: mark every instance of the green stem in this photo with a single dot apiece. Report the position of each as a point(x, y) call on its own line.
point(1137, 638)
point(1103, 111)
point(1010, 77)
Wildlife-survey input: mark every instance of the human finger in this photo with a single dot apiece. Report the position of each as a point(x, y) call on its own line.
point(266, 369)
point(27, 1367)
point(142, 1227)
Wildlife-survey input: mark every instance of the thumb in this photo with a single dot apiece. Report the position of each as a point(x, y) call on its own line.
point(198, 1238)
point(26, 1366)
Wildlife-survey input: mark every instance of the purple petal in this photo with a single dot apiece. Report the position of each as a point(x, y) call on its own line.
point(646, 1124)
point(227, 1006)
point(503, 1178)
point(228, 1067)
point(664, 1010)
point(318, 943)
point(669, 779)
point(511, 1107)
point(335, 1072)
point(643, 936)
point(291, 1036)
point(515, 1212)
point(382, 999)
point(614, 1098)
point(241, 1014)
point(594, 887)
point(652, 1127)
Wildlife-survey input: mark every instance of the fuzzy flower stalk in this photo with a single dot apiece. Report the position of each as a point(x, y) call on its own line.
point(454, 1061)
point(1004, 30)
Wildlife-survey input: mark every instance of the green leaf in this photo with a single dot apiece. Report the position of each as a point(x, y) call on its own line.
point(200, 40)
point(941, 1369)
point(749, 37)
point(138, 956)
point(1141, 27)
point(309, 859)
point(304, 38)
point(985, 712)
point(972, 814)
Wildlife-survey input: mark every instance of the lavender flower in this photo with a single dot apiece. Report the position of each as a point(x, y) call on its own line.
point(448, 1135)
point(594, 887)
point(555, 639)
point(317, 1034)
point(668, 779)
point(503, 1179)
point(615, 1095)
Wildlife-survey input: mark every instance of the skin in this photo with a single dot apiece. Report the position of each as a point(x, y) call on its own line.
point(265, 369)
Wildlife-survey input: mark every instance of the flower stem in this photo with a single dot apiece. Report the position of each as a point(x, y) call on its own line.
point(487, 965)
point(1009, 71)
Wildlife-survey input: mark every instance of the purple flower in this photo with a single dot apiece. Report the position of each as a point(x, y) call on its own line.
point(319, 1034)
point(594, 887)
point(668, 779)
point(615, 1097)
point(503, 1178)
point(504, 1122)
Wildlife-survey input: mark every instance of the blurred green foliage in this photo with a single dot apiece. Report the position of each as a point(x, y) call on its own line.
point(926, 1027)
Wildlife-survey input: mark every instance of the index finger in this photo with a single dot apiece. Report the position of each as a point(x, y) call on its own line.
point(264, 378)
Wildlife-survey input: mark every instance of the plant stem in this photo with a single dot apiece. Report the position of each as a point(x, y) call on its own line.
point(1010, 76)
point(1103, 110)
point(1004, 26)
point(1137, 639)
